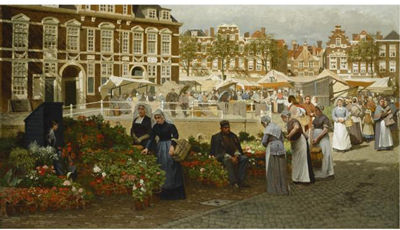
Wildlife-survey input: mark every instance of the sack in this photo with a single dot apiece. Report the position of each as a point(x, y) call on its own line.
point(182, 149)
point(348, 122)
point(389, 120)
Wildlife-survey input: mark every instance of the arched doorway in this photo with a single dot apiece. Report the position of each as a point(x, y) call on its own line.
point(137, 72)
point(70, 84)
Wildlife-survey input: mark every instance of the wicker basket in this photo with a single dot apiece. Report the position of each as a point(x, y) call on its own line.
point(348, 122)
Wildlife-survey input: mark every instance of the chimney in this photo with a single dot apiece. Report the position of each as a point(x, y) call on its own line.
point(379, 35)
point(247, 34)
point(263, 30)
point(338, 27)
point(212, 32)
point(319, 44)
point(206, 32)
point(294, 45)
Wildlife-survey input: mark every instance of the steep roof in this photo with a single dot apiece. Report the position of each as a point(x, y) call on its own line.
point(392, 36)
point(200, 33)
point(258, 34)
point(138, 10)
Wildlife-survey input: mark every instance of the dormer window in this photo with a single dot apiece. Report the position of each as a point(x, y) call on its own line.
point(107, 8)
point(338, 41)
point(152, 13)
point(125, 9)
point(165, 15)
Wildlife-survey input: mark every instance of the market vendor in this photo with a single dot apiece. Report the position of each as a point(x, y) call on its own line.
point(225, 146)
point(52, 141)
point(141, 125)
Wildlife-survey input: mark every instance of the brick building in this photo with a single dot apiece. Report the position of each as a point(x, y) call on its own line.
point(244, 64)
point(389, 59)
point(64, 53)
point(336, 52)
point(305, 60)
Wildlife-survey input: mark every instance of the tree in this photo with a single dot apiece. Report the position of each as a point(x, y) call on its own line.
point(262, 48)
point(187, 48)
point(279, 54)
point(365, 51)
point(223, 49)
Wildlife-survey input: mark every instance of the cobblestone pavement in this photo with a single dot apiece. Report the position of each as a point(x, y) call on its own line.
point(364, 194)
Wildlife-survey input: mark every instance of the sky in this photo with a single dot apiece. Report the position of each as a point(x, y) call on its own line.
point(303, 23)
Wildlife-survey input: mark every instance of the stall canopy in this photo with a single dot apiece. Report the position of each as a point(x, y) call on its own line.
point(381, 85)
point(127, 83)
point(245, 84)
point(226, 84)
point(275, 79)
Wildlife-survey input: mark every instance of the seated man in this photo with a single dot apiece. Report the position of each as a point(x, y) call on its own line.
point(225, 146)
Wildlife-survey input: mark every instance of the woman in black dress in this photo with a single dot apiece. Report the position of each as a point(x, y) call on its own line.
point(141, 125)
point(173, 188)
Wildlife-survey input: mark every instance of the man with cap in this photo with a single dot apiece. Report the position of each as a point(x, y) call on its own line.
point(225, 147)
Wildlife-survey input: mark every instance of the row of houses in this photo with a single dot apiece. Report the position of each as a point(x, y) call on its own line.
point(65, 52)
point(302, 59)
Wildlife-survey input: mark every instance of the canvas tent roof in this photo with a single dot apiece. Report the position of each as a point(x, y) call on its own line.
point(275, 79)
point(115, 82)
point(184, 79)
point(381, 85)
point(226, 84)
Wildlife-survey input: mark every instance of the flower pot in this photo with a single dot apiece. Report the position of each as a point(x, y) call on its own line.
point(139, 205)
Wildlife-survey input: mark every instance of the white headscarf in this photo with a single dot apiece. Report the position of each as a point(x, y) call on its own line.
point(147, 108)
point(166, 116)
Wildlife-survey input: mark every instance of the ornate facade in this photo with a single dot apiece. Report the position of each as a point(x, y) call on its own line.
point(64, 53)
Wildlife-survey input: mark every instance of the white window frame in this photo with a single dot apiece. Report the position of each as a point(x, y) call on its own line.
point(91, 40)
point(150, 34)
point(106, 70)
point(338, 42)
point(311, 64)
point(107, 40)
point(355, 67)
point(124, 9)
point(241, 63)
point(152, 13)
point(382, 50)
point(343, 63)
point(20, 35)
point(50, 68)
point(392, 66)
point(392, 50)
point(165, 15)
point(73, 38)
point(232, 63)
point(301, 64)
point(258, 65)
point(250, 65)
point(37, 87)
point(107, 8)
point(382, 66)
point(125, 42)
point(152, 71)
point(166, 44)
point(333, 63)
point(215, 64)
point(165, 73)
point(136, 40)
point(363, 67)
point(50, 36)
point(19, 91)
point(125, 69)
point(91, 68)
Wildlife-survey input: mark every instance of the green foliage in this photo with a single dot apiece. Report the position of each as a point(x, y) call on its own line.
point(21, 160)
point(187, 49)
point(6, 144)
point(223, 49)
point(199, 147)
point(43, 155)
point(10, 180)
point(243, 136)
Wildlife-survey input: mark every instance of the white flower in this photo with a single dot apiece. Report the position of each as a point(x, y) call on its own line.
point(31, 177)
point(80, 190)
point(143, 189)
point(134, 187)
point(103, 174)
point(141, 181)
point(96, 169)
point(202, 170)
point(140, 161)
point(45, 167)
point(67, 183)
point(73, 189)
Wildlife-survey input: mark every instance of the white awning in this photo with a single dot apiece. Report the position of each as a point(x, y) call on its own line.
point(115, 82)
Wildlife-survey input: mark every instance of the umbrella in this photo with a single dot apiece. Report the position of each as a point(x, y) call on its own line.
point(184, 89)
point(114, 82)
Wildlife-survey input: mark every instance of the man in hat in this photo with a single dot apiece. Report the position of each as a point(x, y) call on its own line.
point(172, 99)
point(225, 146)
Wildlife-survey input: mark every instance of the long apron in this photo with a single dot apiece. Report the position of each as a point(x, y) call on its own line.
point(341, 138)
point(300, 167)
point(327, 160)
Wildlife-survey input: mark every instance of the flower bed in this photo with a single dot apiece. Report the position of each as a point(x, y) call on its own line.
point(205, 169)
point(21, 200)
